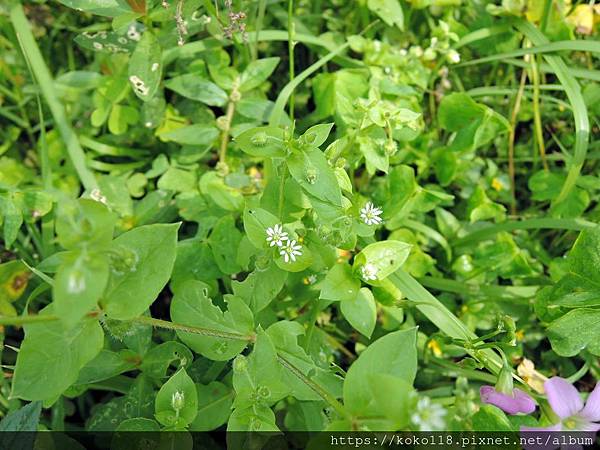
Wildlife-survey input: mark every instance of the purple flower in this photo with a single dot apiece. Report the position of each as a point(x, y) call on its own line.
point(567, 405)
point(518, 402)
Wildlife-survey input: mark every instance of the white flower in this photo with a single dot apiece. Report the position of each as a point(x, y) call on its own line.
point(276, 236)
point(454, 56)
point(428, 416)
point(368, 272)
point(177, 400)
point(370, 214)
point(290, 250)
point(97, 196)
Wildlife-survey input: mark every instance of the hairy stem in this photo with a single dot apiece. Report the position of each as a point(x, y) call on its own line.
point(196, 330)
point(23, 320)
point(335, 404)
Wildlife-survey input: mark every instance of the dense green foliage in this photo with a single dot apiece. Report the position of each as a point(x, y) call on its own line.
point(302, 215)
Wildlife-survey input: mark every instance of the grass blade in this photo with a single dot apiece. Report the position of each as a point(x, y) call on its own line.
point(580, 116)
point(43, 77)
point(529, 224)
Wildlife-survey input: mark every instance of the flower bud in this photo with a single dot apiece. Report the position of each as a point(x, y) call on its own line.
point(505, 381)
point(178, 400)
point(240, 364)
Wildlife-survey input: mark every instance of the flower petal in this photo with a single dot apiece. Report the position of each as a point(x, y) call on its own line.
point(563, 397)
point(520, 402)
point(591, 411)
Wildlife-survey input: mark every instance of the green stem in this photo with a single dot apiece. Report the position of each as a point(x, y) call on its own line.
point(291, 45)
point(442, 317)
point(537, 116)
point(22, 320)
point(335, 404)
point(225, 136)
point(195, 330)
point(34, 57)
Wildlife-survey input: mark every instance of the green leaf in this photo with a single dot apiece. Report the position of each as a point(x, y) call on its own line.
point(109, 8)
point(78, 285)
point(84, 223)
point(121, 439)
point(214, 406)
point(107, 364)
point(224, 242)
point(259, 378)
point(226, 197)
point(361, 312)
point(12, 218)
point(145, 67)
point(176, 403)
point(197, 134)
point(577, 330)
point(316, 135)
point(142, 266)
point(314, 174)
point(263, 142)
point(392, 397)
point(475, 123)
point(260, 287)
point(490, 418)
point(191, 306)
point(178, 180)
point(195, 87)
point(51, 357)
point(254, 418)
point(340, 284)
point(256, 222)
point(389, 11)
point(157, 361)
point(284, 335)
point(257, 73)
point(383, 258)
point(25, 418)
point(394, 354)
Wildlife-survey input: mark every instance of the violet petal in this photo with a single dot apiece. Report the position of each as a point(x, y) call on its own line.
point(519, 403)
point(563, 397)
point(591, 411)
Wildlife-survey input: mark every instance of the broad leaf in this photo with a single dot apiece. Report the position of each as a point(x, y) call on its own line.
point(176, 403)
point(143, 265)
point(394, 354)
point(145, 67)
point(361, 312)
point(195, 87)
point(191, 306)
point(51, 357)
point(78, 285)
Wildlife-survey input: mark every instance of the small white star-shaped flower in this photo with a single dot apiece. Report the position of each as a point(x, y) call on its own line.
point(290, 250)
point(368, 272)
point(370, 214)
point(276, 236)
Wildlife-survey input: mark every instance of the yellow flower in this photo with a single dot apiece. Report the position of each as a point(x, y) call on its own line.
point(526, 370)
point(434, 346)
point(496, 184)
point(582, 18)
